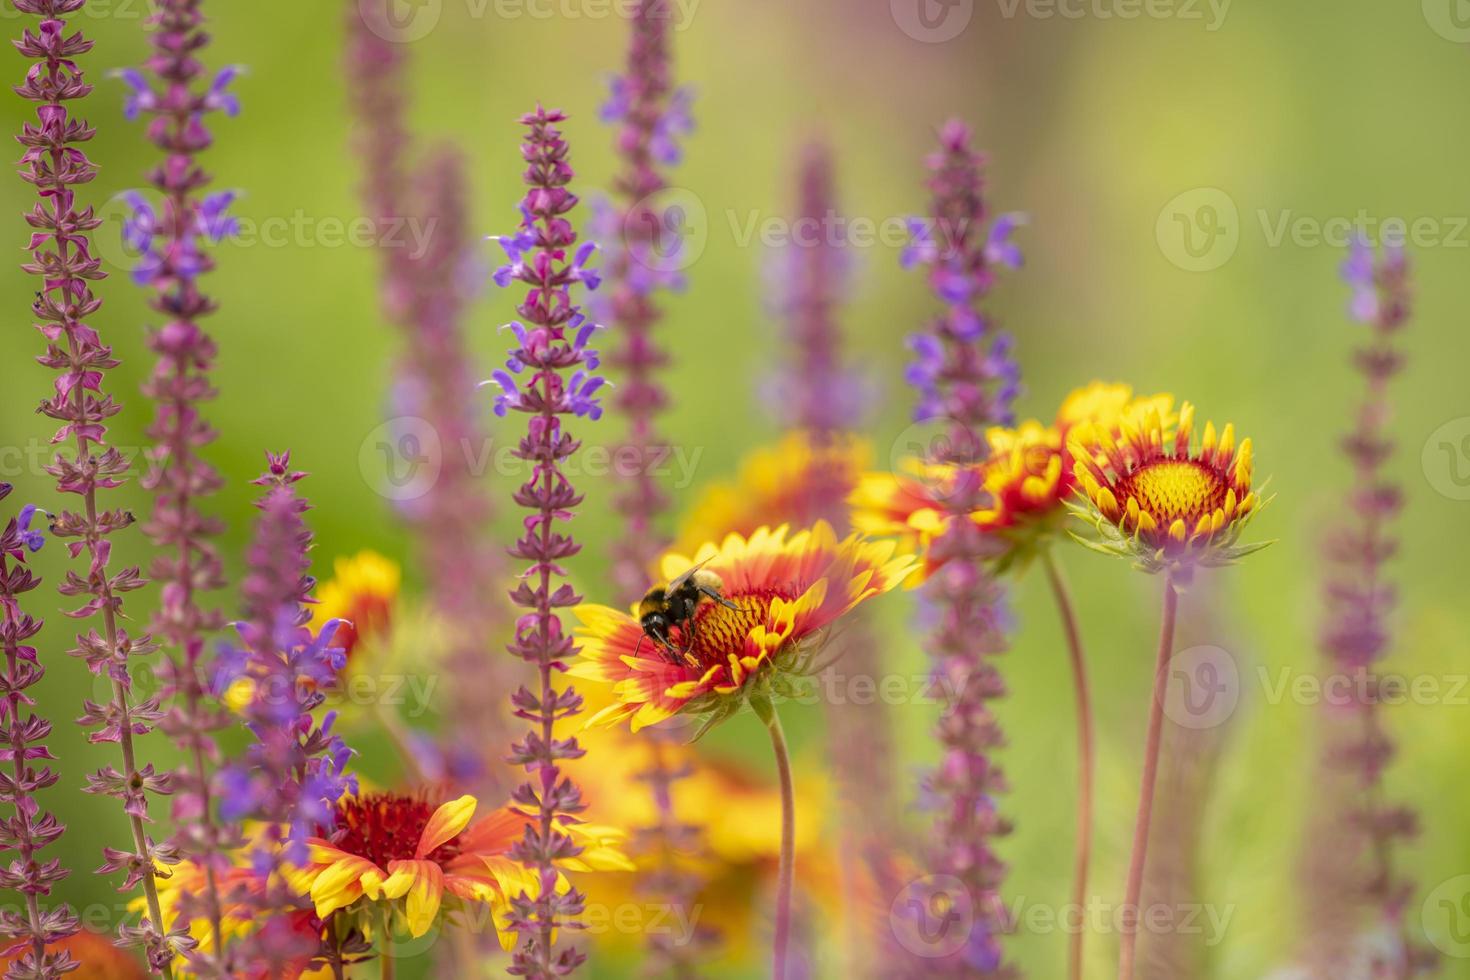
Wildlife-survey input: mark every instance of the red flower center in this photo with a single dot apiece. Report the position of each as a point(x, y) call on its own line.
point(384, 827)
point(718, 631)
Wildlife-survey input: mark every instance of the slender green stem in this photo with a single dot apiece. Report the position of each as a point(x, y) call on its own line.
point(385, 946)
point(786, 876)
point(1151, 748)
point(1085, 756)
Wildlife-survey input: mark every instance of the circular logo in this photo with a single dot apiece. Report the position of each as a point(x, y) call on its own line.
point(667, 231)
point(400, 21)
point(1446, 459)
point(401, 459)
point(1199, 230)
point(120, 241)
point(145, 680)
point(932, 439)
point(1204, 687)
point(1445, 915)
point(932, 21)
point(1450, 19)
point(933, 916)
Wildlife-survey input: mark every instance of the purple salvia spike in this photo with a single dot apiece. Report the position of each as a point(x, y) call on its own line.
point(294, 770)
point(29, 829)
point(638, 267)
point(62, 257)
point(427, 293)
point(966, 389)
point(642, 106)
point(1356, 635)
point(548, 353)
point(174, 95)
point(827, 397)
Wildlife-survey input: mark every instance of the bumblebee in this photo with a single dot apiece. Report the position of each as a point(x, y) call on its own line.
point(668, 606)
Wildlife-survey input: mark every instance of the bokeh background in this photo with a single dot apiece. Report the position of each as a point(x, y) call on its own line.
point(1126, 139)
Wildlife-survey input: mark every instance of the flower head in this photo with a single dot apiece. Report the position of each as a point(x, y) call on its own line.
point(1155, 499)
point(360, 596)
point(388, 848)
point(785, 589)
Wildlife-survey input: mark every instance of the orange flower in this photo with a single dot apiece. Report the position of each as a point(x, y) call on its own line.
point(1027, 475)
point(96, 956)
point(786, 590)
point(1160, 503)
point(361, 593)
point(389, 846)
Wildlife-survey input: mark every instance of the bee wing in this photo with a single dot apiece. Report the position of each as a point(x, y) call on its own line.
point(689, 574)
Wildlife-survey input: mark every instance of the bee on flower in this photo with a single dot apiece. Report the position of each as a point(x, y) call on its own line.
point(780, 591)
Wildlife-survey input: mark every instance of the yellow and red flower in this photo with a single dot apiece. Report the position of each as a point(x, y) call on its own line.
point(361, 593)
point(95, 955)
point(1027, 476)
point(1158, 501)
point(787, 588)
point(775, 485)
point(388, 847)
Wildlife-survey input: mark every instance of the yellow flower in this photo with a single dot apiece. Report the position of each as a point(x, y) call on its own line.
point(1027, 476)
point(1156, 500)
point(388, 847)
point(786, 589)
point(361, 593)
point(777, 484)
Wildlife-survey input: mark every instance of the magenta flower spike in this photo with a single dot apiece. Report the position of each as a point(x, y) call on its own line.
point(295, 769)
point(965, 379)
point(28, 830)
point(649, 116)
point(1356, 634)
point(552, 355)
point(426, 293)
point(61, 257)
point(174, 96)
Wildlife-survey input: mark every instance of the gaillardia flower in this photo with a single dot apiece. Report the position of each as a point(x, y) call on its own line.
point(361, 595)
point(1155, 500)
point(785, 589)
point(391, 846)
point(1027, 476)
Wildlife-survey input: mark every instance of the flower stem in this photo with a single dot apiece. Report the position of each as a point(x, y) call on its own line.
point(1146, 793)
point(785, 879)
point(385, 954)
point(1085, 755)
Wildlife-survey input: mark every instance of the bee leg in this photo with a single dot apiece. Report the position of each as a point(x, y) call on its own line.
point(711, 593)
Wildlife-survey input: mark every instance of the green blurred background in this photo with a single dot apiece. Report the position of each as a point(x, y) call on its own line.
point(1096, 125)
